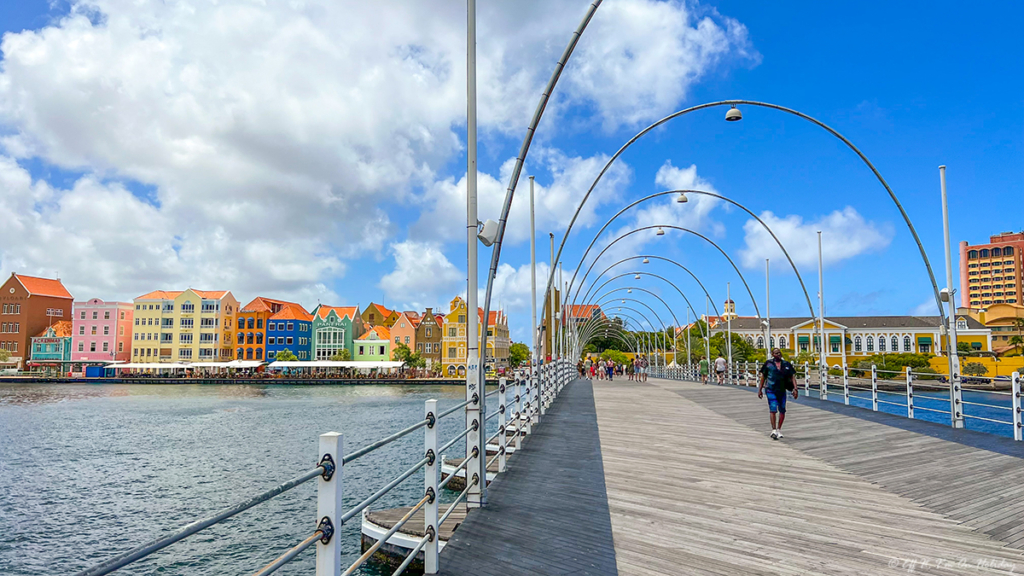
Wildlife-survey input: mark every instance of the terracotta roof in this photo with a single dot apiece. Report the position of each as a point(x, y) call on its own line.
point(376, 333)
point(44, 286)
point(583, 310)
point(261, 304)
point(341, 311)
point(414, 318)
point(439, 318)
point(172, 294)
point(62, 329)
point(293, 312)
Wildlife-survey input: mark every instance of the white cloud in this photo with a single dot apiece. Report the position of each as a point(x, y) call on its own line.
point(926, 308)
point(845, 234)
point(273, 133)
point(422, 276)
point(512, 293)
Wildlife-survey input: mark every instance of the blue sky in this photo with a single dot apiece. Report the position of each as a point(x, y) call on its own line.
point(264, 158)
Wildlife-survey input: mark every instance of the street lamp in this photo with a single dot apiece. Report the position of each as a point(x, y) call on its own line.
point(682, 199)
point(660, 232)
point(648, 260)
point(733, 115)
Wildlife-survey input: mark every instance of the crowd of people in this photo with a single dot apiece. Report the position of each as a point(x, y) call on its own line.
point(606, 368)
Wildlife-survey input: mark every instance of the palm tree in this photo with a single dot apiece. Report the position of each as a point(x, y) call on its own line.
point(1017, 341)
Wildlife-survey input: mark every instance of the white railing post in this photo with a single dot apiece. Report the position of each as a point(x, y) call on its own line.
point(430, 550)
point(329, 505)
point(823, 378)
point(957, 397)
point(528, 407)
point(746, 373)
point(1018, 425)
point(545, 376)
point(502, 424)
point(519, 409)
point(846, 384)
point(874, 388)
point(807, 380)
point(910, 394)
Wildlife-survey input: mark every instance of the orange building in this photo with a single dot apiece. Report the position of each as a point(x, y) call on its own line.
point(254, 322)
point(992, 273)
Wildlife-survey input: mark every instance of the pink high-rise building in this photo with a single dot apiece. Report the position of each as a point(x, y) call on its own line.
point(102, 331)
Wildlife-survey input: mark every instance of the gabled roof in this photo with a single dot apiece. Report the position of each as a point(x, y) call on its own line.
point(413, 317)
point(293, 312)
point(583, 310)
point(342, 311)
point(376, 333)
point(383, 311)
point(172, 294)
point(36, 286)
point(62, 329)
point(439, 318)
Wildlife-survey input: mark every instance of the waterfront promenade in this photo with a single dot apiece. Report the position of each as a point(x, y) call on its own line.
point(669, 477)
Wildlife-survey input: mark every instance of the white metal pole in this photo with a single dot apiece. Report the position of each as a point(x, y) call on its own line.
point(767, 310)
point(822, 364)
point(502, 424)
point(329, 504)
point(431, 548)
point(1018, 425)
point(533, 289)
point(689, 373)
point(728, 329)
point(956, 394)
point(474, 375)
point(707, 333)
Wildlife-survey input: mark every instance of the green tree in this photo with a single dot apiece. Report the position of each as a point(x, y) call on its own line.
point(963, 349)
point(974, 369)
point(411, 359)
point(4, 355)
point(286, 355)
point(1017, 341)
point(342, 355)
point(518, 353)
point(615, 356)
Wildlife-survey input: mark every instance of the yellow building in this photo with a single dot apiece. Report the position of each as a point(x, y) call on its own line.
point(1006, 321)
point(188, 326)
point(453, 339)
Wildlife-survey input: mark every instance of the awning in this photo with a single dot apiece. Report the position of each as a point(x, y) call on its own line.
point(803, 339)
point(334, 364)
point(924, 339)
point(149, 366)
point(834, 339)
point(975, 345)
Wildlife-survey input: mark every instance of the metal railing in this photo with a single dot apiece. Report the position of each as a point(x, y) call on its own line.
point(528, 403)
point(903, 392)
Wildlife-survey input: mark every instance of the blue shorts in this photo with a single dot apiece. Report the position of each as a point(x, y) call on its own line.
point(776, 402)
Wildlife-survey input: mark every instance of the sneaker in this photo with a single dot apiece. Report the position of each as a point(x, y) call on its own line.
point(774, 435)
point(778, 434)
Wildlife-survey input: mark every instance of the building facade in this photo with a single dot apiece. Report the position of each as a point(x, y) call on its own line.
point(102, 331)
point(187, 326)
point(453, 340)
point(992, 273)
point(498, 341)
point(51, 348)
point(378, 315)
point(428, 339)
point(28, 305)
point(267, 326)
point(404, 329)
point(335, 328)
point(1005, 321)
point(374, 345)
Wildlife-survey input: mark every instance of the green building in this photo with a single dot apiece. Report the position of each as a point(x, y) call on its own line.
point(335, 328)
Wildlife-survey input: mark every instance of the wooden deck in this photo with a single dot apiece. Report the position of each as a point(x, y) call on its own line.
point(389, 517)
point(696, 486)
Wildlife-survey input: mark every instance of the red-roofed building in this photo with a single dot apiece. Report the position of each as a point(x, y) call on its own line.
point(267, 326)
point(374, 345)
point(428, 339)
point(335, 328)
point(404, 329)
point(379, 315)
point(29, 305)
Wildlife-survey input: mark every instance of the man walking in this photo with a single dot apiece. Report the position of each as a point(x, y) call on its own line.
point(704, 369)
point(720, 366)
point(780, 377)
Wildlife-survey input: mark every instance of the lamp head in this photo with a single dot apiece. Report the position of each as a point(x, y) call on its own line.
point(733, 115)
point(647, 260)
point(682, 199)
point(637, 277)
point(660, 232)
point(629, 291)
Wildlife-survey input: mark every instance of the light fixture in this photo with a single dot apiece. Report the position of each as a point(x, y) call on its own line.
point(660, 232)
point(647, 260)
point(733, 115)
point(487, 232)
point(682, 199)
point(637, 277)
point(629, 291)
point(623, 301)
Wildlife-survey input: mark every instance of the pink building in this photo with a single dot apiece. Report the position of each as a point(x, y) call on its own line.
point(102, 331)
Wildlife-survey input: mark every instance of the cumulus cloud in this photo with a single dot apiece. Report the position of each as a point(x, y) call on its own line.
point(512, 293)
point(272, 137)
point(845, 234)
point(422, 276)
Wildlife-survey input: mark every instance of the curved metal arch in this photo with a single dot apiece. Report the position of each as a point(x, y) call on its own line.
point(667, 307)
point(635, 344)
point(687, 270)
point(827, 128)
point(640, 325)
point(592, 330)
point(792, 265)
point(757, 309)
point(631, 318)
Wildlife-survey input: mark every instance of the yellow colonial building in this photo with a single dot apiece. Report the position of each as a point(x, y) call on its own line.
point(187, 326)
point(453, 339)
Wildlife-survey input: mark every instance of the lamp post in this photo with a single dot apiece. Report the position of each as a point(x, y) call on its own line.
point(955, 391)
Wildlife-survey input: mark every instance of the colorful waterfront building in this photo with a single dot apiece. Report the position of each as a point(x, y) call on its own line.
point(378, 315)
point(258, 332)
point(499, 343)
point(28, 305)
point(992, 273)
point(453, 341)
point(51, 348)
point(102, 331)
point(335, 328)
point(428, 339)
point(1006, 321)
point(404, 329)
point(184, 326)
point(374, 345)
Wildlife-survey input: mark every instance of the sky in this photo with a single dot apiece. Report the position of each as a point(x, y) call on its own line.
point(316, 150)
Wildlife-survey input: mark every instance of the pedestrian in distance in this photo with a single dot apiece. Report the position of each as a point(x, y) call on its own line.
point(777, 378)
point(720, 366)
point(644, 365)
point(611, 369)
point(602, 369)
point(703, 369)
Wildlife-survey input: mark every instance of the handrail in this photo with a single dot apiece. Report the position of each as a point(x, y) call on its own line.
point(398, 525)
point(290, 554)
point(412, 555)
point(387, 488)
point(385, 441)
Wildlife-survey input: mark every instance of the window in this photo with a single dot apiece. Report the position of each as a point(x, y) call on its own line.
point(187, 323)
point(208, 323)
point(122, 315)
point(961, 324)
point(210, 306)
point(188, 308)
point(760, 341)
point(82, 315)
point(120, 346)
point(881, 343)
point(381, 350)
point(207, 337)
point(871, 344)
point(183, 353)
point(291, 326)
point(95, 315)
point(185, 338)
point(271, 340)
point(259, 337)
point(406, 339)
point(106, 347)
point(972, 254)
point(451, 352)
point(398, 339)
point(428, 332)
point(259, 353)
point(451, 333)
point(81, 330)
point(106, 330)
point(782, 341)
point(81, 346)
point(419, 347)
point(241, 323)
point(462, 319)
point(251, 323)
point(907, 344)
point(259, 323)
point(136, 321)
point(92, 347)
point(997, 252)
point(362, 350)
point(289, 340)
point(1008, 251)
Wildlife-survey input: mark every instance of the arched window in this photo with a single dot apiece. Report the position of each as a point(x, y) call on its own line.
point(259, 353)
point(1008, 251)
point(881, 343)
point(771, 341)
point(871, 344)
point(252, 323)
point(857, 344)
point(259, 337)
point(972, 254)
point(249, 338)
point(907, 345)
point(760, 341)
point(750, 340)
point(782, 341)
point(241, 323)
point(895, 344)
point(984, 252)
point(248, 354)
point(997, 252)
point(239, 353)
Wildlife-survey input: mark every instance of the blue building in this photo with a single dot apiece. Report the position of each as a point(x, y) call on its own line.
point(290, 329)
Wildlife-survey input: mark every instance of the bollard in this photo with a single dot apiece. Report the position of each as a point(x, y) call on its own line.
point(329, 505)
point(846, 385)
point(910, 394)
point(502, 425)
point(430, 550)
point(874, 388)
point(1018, 425)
